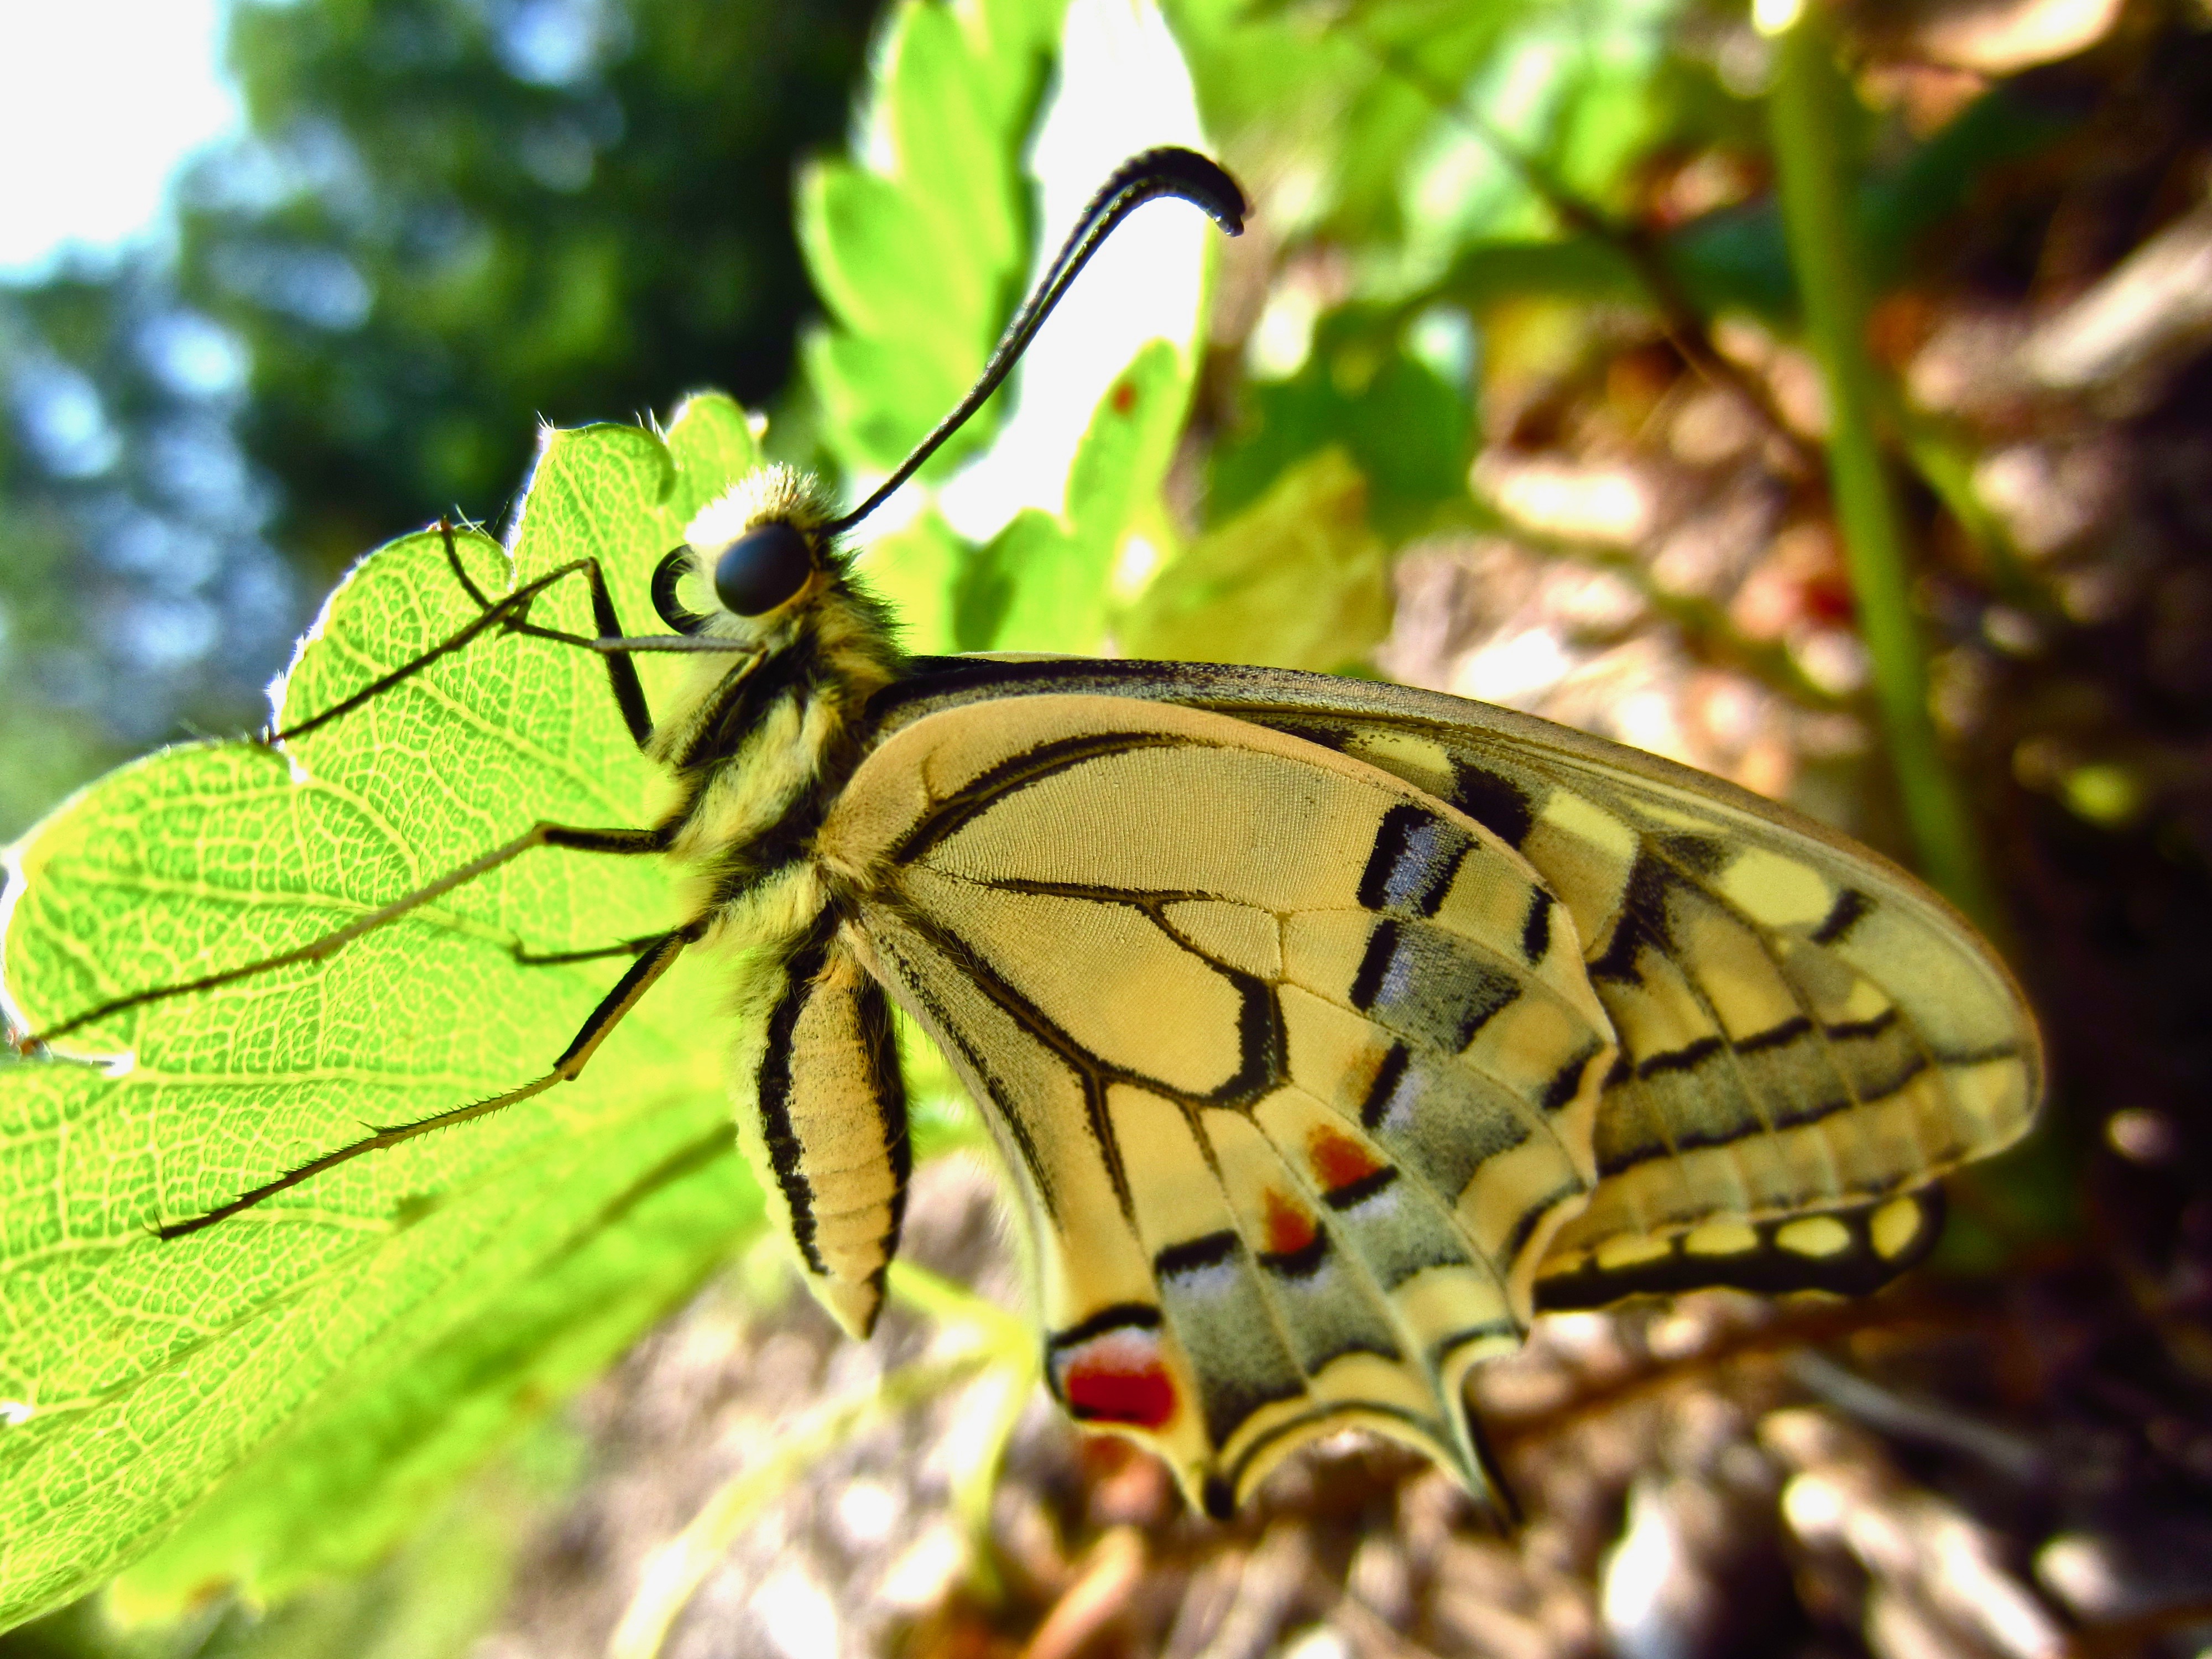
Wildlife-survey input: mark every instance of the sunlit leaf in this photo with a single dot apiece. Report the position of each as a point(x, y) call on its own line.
point(920, 249)
point(1295, 581)
point(365, 1464)
point(140, 1374)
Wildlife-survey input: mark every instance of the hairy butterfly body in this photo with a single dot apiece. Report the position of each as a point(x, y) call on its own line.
point(1327, 1029)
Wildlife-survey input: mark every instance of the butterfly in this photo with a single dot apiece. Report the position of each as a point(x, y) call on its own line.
point(1327, 1028)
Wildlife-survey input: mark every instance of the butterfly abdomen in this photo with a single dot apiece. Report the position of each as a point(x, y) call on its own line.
point(755, 746)
point(823, 1114)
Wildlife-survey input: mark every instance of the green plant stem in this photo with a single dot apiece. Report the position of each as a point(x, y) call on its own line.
point(675, 1571)
point(997, 1341)
point(1946, 464)
point(1809, 110)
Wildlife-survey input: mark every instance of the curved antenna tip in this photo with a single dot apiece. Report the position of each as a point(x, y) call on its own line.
point(1169, 170)
point(1206, 184)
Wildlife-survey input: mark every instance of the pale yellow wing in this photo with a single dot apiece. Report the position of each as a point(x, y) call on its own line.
point(1807, 1036)
point(1293, 1064)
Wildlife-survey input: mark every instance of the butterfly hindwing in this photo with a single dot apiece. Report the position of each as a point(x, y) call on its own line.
point(1293, 1063)
point(1848, 1248)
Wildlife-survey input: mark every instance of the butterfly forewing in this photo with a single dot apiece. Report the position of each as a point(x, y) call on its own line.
point(1807, 1038)
point(1806, 1035)
point(1294, 1064)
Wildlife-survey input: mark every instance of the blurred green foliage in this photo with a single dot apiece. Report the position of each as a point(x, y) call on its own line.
point(1407, 427)
point(452, 219)
point(919, 260)
point(447, 222)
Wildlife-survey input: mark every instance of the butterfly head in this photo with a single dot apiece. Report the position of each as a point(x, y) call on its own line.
point(762, 553)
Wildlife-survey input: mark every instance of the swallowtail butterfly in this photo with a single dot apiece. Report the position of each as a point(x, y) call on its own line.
point(1328, 1029)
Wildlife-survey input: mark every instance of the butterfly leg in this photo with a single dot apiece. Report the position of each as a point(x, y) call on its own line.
point(617, 841)
point(652, 963)
point(828, 1122)
point(527, 958)
point(511, 614)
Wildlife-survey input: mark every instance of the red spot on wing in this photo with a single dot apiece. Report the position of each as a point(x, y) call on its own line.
point(1125, 398)
point(1338, 1159)
point(1290, 1229)
point(1119, 1378)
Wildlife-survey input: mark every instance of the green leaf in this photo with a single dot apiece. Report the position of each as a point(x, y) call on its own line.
point(368, 1464)
point(139, 1374)
point(1297, 580)
point(1126, 448)
point(921, 254)
point(435, 1597)
point(1409, 431)
point(1573, 268)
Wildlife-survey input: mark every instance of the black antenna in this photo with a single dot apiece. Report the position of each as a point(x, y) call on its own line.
point(1170, 171)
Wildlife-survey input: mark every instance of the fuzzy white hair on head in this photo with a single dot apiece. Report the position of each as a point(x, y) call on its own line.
point(768, 495)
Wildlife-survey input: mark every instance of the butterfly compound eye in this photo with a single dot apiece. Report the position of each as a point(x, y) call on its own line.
point(763, 568)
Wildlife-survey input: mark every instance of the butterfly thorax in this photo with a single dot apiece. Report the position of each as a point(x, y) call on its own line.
point(756, 750)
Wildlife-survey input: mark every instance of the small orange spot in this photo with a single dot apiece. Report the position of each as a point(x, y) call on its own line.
point(1290, 1229)
point(1338, 1159)
point(1125, 398)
